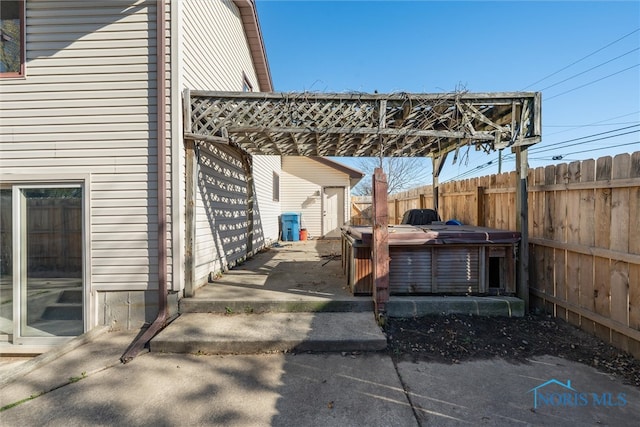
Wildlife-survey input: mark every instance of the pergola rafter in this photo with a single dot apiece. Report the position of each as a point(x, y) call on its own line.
point(349, 124)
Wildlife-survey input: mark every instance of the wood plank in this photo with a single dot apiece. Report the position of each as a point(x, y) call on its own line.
point(586, 237)
point(380, 243)
point(607, 183)
point(538, 207)
point(620, 242)
point(602, 282)
point(559, 235)
point(536, 259)
point(573, 236)
point(589, 250)
point(603, 320)
point(634, 248)
point(634, 206)
point(634, 306)
point(511, 197)
point(549, 233)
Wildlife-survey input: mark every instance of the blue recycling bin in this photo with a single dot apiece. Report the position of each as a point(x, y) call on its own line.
point(291, 226)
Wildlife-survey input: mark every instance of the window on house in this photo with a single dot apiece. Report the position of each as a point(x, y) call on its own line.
point(246, 84)
point(11, 38)
point(276, 187)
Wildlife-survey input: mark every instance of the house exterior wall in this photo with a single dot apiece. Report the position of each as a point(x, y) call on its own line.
point(87, 111)
point(87, 107)
point(267, 209)
point(215, 49)
point(216, 56)
point(302, 182)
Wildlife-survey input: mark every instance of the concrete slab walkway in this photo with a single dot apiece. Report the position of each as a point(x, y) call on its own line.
point(88, 386)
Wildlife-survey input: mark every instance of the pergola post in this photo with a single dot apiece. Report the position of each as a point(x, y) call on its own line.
point(191, 173)
point(247, 165)
point(380, 242)
point(522, 225)
point(438, 164)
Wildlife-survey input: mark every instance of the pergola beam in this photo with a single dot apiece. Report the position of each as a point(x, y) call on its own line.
point(349, 124)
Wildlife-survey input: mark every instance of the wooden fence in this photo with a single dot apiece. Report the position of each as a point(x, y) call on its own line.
point(584, 235)
point(54, 237)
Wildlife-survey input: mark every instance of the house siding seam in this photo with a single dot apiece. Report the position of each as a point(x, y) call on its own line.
point(88, 106)
point(301, 186)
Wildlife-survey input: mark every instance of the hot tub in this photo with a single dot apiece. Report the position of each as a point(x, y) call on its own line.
point(434, 259)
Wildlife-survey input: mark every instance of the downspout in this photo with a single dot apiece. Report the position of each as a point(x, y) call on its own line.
point(160, 322)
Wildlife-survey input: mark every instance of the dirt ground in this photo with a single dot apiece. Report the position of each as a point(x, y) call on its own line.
point(458, 338)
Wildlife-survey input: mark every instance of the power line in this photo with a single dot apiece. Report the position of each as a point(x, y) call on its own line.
point(537, 149)
point(590, 69)
point(584, 126)
point(595, 123)
point(591, 82)
point(586, 142)
point(582, 59)
point(604, 148)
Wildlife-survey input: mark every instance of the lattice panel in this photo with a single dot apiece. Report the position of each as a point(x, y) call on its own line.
point(406, 125)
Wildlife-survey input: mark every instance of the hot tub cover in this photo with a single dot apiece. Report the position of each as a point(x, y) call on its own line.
point(436, 234)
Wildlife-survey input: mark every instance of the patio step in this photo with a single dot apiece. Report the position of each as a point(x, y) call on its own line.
point(416, 306)
point(261, 305)
point(208, 333)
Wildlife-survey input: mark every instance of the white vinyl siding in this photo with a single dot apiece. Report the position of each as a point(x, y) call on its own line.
point(268, 209)
point(221, 210)
point(215, 48)
point(88, 106)
point(301, 186)
point(215, 56)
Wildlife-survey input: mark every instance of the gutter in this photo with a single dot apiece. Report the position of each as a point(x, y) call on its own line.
point(161, 320)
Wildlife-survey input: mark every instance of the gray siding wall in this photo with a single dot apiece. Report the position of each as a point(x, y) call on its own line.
point(301, 190)
point(88, 106)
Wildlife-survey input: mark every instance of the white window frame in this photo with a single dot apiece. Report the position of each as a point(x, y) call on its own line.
point(18, 183)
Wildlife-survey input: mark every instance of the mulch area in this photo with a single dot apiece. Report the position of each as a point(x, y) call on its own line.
point(459, 338)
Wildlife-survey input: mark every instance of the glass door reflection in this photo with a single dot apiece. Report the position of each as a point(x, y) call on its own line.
point(51, 262)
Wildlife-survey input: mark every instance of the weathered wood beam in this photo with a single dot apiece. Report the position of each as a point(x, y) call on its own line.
point(380, 242)
point(480, 136)
point(479, 97)
point(191, 172)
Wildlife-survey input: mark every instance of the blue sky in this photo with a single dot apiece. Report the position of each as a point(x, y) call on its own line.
point(438, 46)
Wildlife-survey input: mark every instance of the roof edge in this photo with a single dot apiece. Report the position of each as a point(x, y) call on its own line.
point(253, 33)
point(352, 172)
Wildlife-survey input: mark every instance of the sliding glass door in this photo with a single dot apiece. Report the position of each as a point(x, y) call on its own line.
point(42, 263)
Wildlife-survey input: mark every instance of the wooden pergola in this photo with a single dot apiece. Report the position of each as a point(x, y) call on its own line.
point(385, 125)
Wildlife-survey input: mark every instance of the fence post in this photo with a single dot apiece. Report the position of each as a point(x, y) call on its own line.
point(480, 206)
point(396, 211)
point(522, 225)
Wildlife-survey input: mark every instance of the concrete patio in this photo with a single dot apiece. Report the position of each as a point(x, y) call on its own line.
point(294, 297)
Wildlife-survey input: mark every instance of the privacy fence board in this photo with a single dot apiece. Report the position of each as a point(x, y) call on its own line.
point(584, 222)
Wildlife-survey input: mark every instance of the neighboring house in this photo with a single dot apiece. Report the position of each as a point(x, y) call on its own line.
point(92, 159)
point(320, 191)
